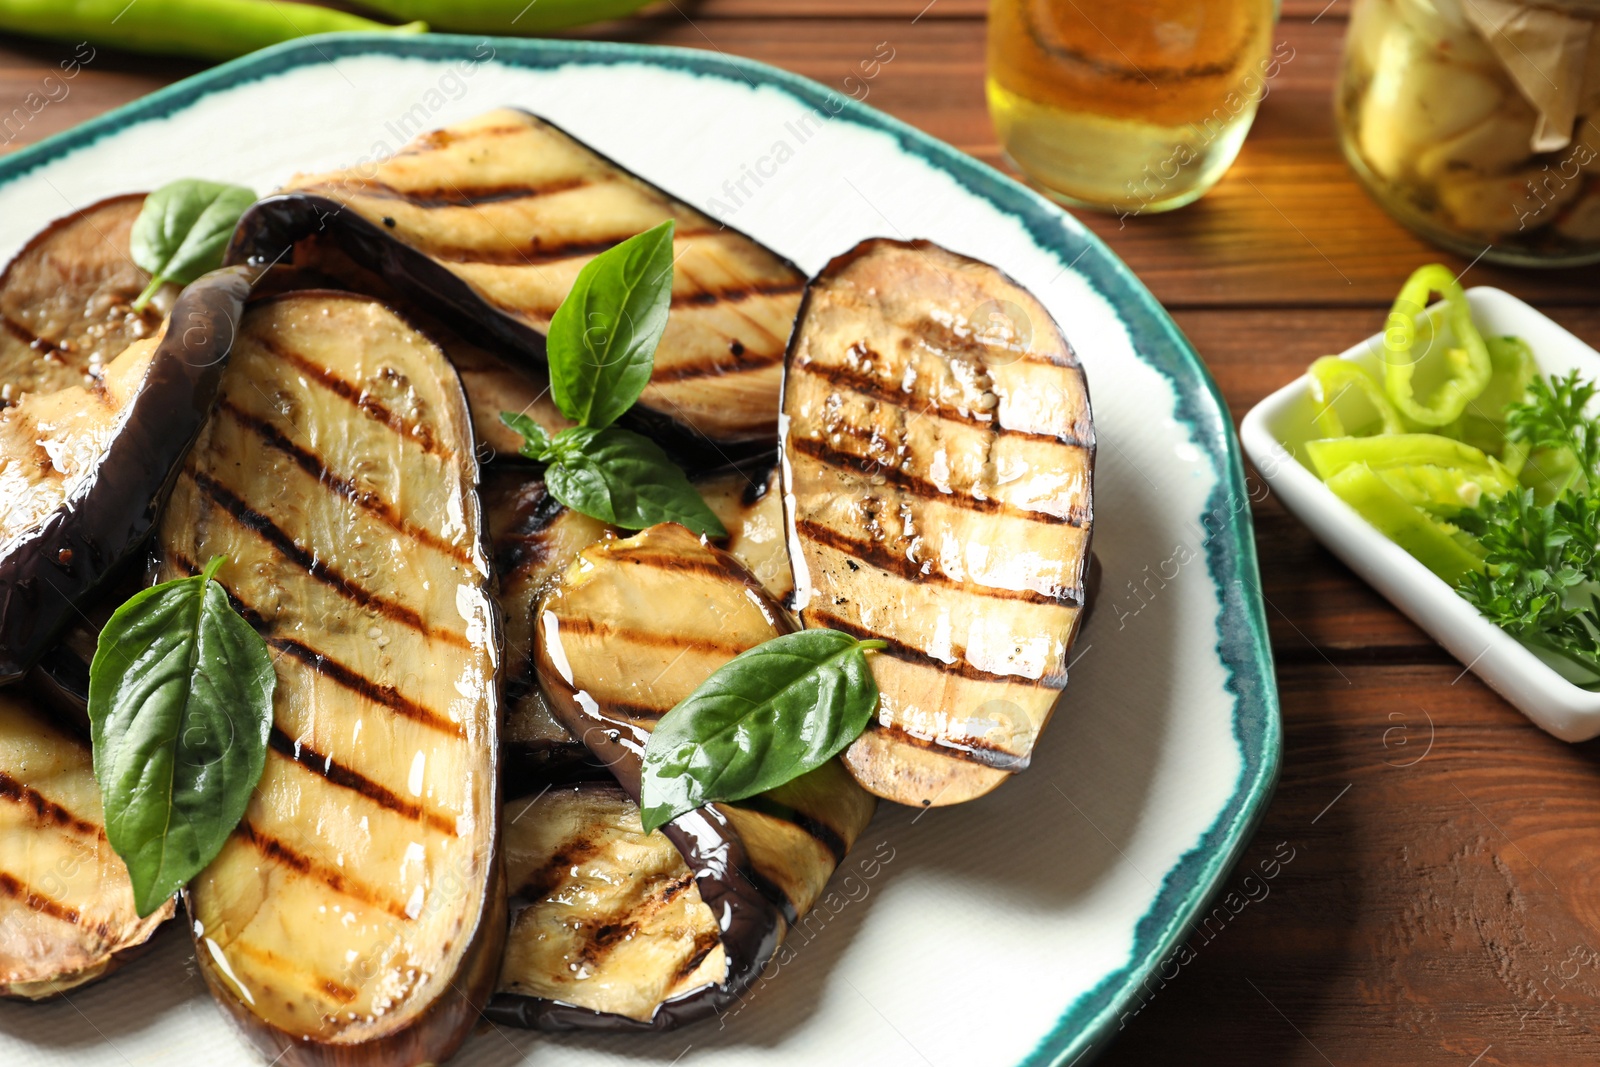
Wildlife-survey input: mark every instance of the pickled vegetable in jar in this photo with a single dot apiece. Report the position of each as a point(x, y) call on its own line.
point(1477, 123)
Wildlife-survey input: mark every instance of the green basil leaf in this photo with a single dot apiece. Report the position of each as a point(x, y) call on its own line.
point(619, 477)
point(535, 442)
point(765, 717)
point(180, 704)
point(602, 341)
point(183, 230)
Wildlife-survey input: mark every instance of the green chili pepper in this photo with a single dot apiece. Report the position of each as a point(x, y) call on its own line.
point(1336, 381)
point(1466, 364)
point(1441, 491)
point(1331, 456)
point(506, 16)
point(1433, 542)
point(206, 29)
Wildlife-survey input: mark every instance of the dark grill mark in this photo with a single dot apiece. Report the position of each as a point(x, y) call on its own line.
point(45, 809)
point(315, 466)
point(686, 371)
point(969, 749)
point(335, 879)
point(446, 196)
point(775, 893)
point(559, 868)
point(286, 546)
point(386, 695)
point(604, 631)
point(938, 336)
point(704, 944)
point(379, 693)
point(27, 336)
point(35, 901)
point(350, 392)
point(846, 378)
point(538, 251)
point(884, 558)
point(825, 835)
point(734, 294)
point(1055, 679)
point(868, 467)
point(340, 775)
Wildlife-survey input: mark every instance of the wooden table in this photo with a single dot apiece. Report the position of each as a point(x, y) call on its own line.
point(1441, 907)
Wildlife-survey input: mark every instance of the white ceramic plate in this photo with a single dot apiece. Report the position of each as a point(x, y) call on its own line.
point(1018, 929)
point(1276, 429)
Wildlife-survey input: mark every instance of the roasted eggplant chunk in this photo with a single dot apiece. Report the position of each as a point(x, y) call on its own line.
point(632, 628)
point(84, 468)
point(357, 914)
point(487, 224)
point(938, 451)
point(66, 906)
point(66, 301)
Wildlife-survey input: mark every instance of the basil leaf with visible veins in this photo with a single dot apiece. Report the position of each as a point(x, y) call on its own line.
point(619, 477)
point(183, 230)
point(180, 704)
point(602, 341)
point(765, 717)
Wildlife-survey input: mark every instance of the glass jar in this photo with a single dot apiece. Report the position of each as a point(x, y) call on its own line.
point(1443, 137)
point(1134, 106)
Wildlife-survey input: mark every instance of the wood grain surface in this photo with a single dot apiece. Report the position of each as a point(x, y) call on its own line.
point(1438, 902)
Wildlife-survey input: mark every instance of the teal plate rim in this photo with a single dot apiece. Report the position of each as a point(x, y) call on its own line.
point(1242, 642)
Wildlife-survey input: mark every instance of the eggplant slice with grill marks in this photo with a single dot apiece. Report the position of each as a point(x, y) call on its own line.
point(487, 223)
point(748, 500)
point(84, 466)
point(634, 626)
point(357, 914)
point(938, 454)
point(66, 301)
point(66, 906)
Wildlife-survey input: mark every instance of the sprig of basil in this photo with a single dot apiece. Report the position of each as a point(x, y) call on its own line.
point(601, 349)
point(764, 718)
point(182, 231)
point(180, 705)
point(602, 341)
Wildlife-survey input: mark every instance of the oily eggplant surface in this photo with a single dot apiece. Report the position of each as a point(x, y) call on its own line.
point(356, 916)
point(487, 223)
point(633, 627)
point(66, 301)
point(84, 468)
point(748, 500)
point(66, 906)
point(938, 456)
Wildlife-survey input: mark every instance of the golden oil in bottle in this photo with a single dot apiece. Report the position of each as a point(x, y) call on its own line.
point(1137, 106)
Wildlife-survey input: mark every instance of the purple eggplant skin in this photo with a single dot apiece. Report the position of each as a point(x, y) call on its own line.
point(51, 569)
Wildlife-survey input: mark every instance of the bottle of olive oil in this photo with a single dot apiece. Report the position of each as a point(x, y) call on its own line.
point(1135, 106)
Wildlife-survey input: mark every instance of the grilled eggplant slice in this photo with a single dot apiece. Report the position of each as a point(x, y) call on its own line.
point(747, 499)
point(487, 224)
point(633, 627)
point(357, 914)
point(84, 468)
point(66, 301)
point(66, 905)
point(938, 452)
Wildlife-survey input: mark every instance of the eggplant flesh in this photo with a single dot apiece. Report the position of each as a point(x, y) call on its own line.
point(487, 223)
point(603, 914)
point(67, 915)
point(66, 301)
point(747, 498)
point(84, 468)
point(357, 913)
point(634, 626)
point(937, 455)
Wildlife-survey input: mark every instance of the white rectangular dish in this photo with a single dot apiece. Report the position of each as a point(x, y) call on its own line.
point(1274, 433)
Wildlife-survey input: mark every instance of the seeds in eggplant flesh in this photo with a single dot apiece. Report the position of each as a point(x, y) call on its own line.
point(604, 916)
point(954, 526)
point(357, 913)
point(65, 301)
point(66, 907)
point(633, 627)
point(488, 222)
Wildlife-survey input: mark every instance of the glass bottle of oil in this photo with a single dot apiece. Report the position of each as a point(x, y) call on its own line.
point(1136, 106)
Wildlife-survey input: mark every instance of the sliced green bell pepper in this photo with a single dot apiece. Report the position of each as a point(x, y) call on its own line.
point(1467, 367)
point(1433, 542)
point(1336, 381)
